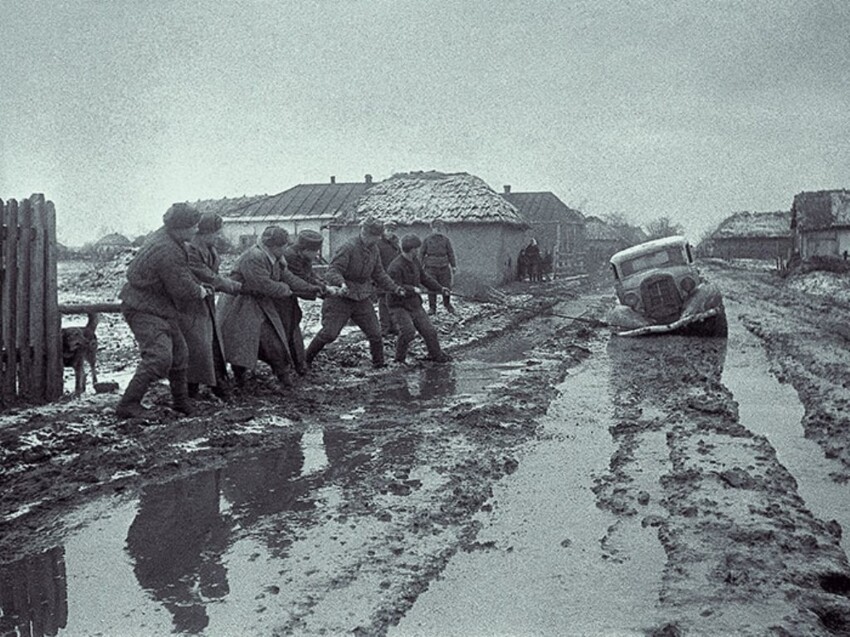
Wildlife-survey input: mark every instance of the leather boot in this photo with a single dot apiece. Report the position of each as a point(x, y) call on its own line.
point(376, 348)
point(312, 349)
point(130, 405)
point(180, 392)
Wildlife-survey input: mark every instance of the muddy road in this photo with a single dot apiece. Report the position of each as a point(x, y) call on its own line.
point(552, 480)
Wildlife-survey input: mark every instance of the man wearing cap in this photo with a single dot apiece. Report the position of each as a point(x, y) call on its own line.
point(389, 248)
point(438, 259)
point(407, 310)
point(203, 335)
point(300, 257)
point(251, 324)
point(356, 268)
point(159, 287)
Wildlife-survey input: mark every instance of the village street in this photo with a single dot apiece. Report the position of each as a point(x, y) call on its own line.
point(555, 479)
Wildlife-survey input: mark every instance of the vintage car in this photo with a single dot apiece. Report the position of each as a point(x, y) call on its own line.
point(659, 289)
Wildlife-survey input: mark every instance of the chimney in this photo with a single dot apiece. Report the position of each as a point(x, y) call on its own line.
point(333, 179)
point(368, 179)
point(507, 189)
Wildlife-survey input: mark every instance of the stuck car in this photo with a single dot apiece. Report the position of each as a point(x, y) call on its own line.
point(659, 289)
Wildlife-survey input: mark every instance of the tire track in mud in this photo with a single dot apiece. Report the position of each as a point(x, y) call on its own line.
point(744, 555)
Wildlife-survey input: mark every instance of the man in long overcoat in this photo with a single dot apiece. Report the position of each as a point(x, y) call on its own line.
point(251, 324)
point(389, 248)
point(159, 287)
point(356, 268)
point(199, 324)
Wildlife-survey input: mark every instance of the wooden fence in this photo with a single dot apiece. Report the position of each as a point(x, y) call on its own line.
point(30, 322)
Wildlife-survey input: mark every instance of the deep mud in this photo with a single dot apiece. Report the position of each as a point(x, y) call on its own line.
point(355, 502)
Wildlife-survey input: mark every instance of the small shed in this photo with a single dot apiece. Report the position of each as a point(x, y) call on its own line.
point(486, 230)
point(559, 229)
point(302, 207)
point(820, 223)
point(751, 235)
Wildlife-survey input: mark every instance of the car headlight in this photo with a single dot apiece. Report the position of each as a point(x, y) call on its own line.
point(688, 285)
point(631, 299)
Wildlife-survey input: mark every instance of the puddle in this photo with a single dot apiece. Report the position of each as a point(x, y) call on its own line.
point(773, 410)
point(546, 573)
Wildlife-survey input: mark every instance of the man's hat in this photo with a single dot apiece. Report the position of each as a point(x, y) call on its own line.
point(274, 237)
point(309, 240)
point(373, 227)
point(210, 223)
point(410, 242)
point(180, 216)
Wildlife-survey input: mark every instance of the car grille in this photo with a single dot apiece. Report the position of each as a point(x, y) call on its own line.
point(661, 300)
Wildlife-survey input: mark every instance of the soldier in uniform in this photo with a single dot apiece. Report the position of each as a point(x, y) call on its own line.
point(438, 259)
point(203, 335)
point(407, 310)
point(389, 249)
point(159, 288)
point(251, 323)
point(356, 268)
point(300, 257)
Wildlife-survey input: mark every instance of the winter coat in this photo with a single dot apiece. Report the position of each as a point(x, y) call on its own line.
point(358, 267)
point(437, 252)
point(409, 274)
point(159, 280)
point(389, 248)
point(263, 283)
point(198, 322)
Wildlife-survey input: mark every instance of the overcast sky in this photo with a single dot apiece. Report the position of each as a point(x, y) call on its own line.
point(692, 110)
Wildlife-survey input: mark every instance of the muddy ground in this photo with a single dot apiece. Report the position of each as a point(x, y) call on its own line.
point(353, 503)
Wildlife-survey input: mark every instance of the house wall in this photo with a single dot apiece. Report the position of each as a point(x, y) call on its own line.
point(242, 233)
point(564, 240)
point(486, 252)
point(819, 243)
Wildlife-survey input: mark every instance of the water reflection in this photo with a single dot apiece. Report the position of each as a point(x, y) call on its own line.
point(431, 382)
point(176, 541)
point(33, 595)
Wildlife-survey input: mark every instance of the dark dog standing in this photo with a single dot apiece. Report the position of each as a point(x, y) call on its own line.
point(79, 346)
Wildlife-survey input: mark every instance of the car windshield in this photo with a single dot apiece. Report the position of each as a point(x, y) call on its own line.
point(669, 256)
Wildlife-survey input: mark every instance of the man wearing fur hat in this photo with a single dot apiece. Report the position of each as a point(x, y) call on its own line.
point(203, 335)
point(159, 287)
point(356, 268)
point(389, 248)
point(251, 324)
point(407, 310)
point(300, 257)
point(438, 259)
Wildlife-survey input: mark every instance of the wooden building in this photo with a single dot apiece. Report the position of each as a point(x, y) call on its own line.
point(820, 223)
point(750, 235)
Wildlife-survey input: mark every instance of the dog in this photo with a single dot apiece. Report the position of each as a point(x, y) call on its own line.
point(79, 346)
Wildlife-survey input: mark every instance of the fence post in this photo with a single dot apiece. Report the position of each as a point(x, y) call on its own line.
point(25, 384)
point(38, 336)
point(10, 298)
point(52, 317)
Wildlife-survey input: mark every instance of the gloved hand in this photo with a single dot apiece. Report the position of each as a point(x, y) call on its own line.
point(333, 290)
point(400, 291)
point(206, 291)
point(417, 290)
point(446, 292)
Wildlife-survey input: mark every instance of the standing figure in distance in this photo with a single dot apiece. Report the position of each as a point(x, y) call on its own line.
point(251, 324)
point(199, 324)
point(438, 259)
point(407, 310)
point(356, 268)
point(159, 288)
point(532, 255)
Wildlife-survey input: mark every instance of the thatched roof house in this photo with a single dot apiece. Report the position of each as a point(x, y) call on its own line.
point(558, 228)
point(108, 245)
point(486, 230)
point(750, 235)
point(820, 222)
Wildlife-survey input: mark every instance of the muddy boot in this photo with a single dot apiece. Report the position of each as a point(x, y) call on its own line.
point(312, 349)
point(239, 373)
point(193, 389)
point(130, 405)
point(180, 393)
point(376, 348)
point(284, 379)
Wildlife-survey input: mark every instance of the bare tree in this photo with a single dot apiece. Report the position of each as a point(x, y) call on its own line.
point(663, 227)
